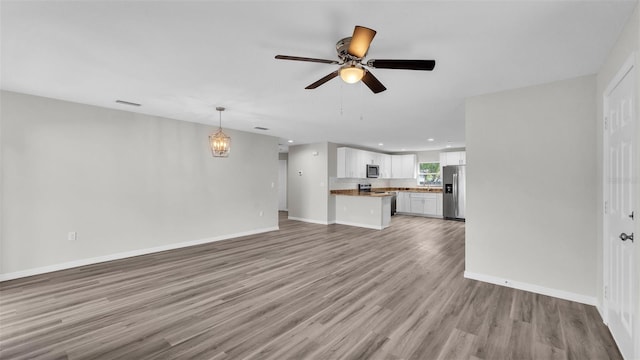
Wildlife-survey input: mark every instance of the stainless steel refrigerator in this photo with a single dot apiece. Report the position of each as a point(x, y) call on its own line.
point(454, 192)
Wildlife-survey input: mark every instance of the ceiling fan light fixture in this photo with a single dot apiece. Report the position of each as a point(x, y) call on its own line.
point(351, 73)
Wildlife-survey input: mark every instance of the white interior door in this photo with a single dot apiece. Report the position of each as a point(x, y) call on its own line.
point(282, 185)
point(620, 162)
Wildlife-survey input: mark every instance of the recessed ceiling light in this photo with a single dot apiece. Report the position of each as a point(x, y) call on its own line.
point(290, 141)
point(260, 128)
point(127, 103)
point(430, 139)
point(380, 144)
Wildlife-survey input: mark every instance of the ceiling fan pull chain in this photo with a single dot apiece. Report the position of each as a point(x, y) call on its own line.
point(341, 102)
point(361, 102)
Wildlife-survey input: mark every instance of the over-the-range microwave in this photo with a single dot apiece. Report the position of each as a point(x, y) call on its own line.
point(373, 171)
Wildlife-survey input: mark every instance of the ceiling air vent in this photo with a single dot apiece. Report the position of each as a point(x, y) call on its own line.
point(260, 128)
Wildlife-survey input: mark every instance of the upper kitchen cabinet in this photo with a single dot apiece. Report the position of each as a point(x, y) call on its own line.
point(352, 163)
point(385, 166)
point(403, 166)
point(453, 158)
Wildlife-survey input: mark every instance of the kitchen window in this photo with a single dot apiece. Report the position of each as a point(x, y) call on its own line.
point(429, 174)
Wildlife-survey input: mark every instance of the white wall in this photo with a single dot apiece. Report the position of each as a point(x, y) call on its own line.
point(123, 181)
point(282, 185)
point(531, 167)
point(627, 44)
point(308, 195)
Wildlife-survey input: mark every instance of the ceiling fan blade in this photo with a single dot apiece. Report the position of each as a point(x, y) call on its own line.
point(323, 80)
point(300, 58)
point(427, 65)
point(373, 83)
point(360, 41)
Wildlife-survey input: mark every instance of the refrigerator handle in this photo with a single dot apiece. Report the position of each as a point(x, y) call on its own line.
point(455, 194)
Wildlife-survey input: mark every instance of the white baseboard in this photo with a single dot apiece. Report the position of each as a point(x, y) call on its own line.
point(312, 221)
point(126, 254)
point(561, 294)
point(359, 225)
point(600, 307)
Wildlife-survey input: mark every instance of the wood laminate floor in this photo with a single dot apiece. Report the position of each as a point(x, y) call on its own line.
point(304, 292)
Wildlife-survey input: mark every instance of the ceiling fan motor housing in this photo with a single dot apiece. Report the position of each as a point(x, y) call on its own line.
point(342, 47)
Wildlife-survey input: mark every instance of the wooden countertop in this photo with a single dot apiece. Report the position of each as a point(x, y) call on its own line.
point(377, 192)
point(353, 192)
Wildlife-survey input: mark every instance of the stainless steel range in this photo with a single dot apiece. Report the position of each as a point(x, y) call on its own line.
point(364, 187)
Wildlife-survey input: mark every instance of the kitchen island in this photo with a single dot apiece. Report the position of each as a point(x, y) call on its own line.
point(370, 210)
point(373, 209)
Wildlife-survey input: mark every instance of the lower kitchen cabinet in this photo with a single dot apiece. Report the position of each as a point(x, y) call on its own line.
point(429, 204)
point(403, 202)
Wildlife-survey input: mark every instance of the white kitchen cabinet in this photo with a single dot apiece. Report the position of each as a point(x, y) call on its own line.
point(403, 202)
point(429, 204)
point(403, 166)
point(370, 158)
point(344, 162)
point(385, 166)
point(352, 163)
point(417, 205)
point(341, 162)
point(396, 166)
point(453, 158)
point(409, 166)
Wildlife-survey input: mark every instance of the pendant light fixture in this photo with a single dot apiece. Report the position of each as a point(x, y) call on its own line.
point(220, 143)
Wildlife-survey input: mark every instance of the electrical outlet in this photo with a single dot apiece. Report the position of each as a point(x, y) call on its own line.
point(72, 236)
point(261, 212)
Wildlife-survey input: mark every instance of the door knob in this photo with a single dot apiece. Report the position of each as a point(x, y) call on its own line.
point(625, 237)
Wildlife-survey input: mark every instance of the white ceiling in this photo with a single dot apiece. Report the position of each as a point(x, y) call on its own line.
point(181, 59)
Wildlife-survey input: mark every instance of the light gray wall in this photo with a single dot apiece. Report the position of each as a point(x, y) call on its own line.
point(308, 193)
point(531, 183)
point(627, 44)
point(123, 181)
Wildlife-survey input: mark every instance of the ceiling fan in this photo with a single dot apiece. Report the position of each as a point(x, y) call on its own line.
point(351, 51)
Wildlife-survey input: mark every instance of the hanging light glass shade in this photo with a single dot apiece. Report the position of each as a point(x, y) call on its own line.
point(219, 142)
point(351, 73)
